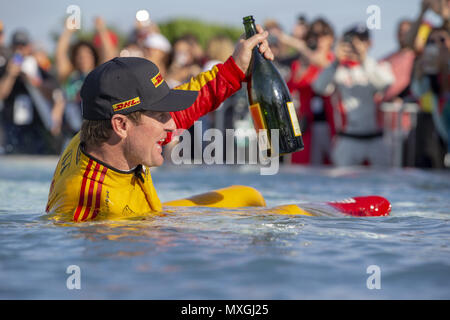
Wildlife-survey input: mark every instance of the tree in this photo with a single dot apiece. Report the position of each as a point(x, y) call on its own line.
point(204, 31)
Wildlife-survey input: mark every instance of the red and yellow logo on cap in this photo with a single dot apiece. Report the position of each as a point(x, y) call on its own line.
point(126, 104)
point(157, 80)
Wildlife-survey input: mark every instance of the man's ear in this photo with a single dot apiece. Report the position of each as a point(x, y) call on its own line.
point(120, 125)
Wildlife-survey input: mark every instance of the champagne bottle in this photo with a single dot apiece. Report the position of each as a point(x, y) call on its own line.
point(271, 104)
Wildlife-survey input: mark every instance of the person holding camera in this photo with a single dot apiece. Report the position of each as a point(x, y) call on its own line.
point(31, 114)
point(315, 52)
point(353, 79)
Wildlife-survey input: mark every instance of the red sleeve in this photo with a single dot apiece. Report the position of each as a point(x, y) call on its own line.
point(214, 87)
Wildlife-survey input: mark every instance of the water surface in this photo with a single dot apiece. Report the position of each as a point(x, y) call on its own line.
point(206, 253)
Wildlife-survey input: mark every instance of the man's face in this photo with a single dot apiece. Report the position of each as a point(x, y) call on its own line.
point(145, 139)
point(84, 59)
point(300, 30)
point(325, 42)
point(182, 54)
point(439, 38)
point(24, 50)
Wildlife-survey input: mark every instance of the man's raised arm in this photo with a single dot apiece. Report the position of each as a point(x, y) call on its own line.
point(222, 81)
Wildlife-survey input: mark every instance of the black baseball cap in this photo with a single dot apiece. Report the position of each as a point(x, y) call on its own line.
point(20, 38)
point(128, 84)
point(359, 30)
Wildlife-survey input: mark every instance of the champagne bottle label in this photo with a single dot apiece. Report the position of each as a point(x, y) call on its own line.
point(258, 119)
point(260, 127)
point(294, 119)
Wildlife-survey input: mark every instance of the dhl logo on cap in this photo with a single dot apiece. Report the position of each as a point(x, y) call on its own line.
point(157, 80)
point(126, 104)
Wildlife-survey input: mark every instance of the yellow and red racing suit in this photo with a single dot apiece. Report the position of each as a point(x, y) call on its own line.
point(83, 188)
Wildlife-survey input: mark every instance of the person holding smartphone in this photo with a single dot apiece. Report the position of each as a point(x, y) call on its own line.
point(26, 91)
point(353, 79)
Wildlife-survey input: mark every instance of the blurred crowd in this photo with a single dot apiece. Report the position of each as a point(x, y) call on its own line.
point(338, 88)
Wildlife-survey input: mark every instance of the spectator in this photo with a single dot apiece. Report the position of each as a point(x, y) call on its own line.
point(105, 41)
point(441, 8)
point(32, 106)
point(417, 37)
point(186, 62)
point(186, 59)
point(72, 68)
point(316, 112)
point(218, 49)
point(301, 28)
point(132, 50)
point(157, 49)
point(274, 28)
point(283, 59)
point(233, 112)
point(195, 48)
point(144, 26)
point(4, 56)
point(42, 58)
point(355, 78)
point(431, 85)
point(52, 90)
point(4, 50)
point(412, 37)
point(402, 63)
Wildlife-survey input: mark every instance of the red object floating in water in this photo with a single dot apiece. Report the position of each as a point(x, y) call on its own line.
point(370, 206)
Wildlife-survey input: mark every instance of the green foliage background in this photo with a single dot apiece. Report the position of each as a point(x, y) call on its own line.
point(171, 29)
point(204, 31)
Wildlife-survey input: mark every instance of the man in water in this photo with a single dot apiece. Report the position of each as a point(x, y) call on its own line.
point(129, 112)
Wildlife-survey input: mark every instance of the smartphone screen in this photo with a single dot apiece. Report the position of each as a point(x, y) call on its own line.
point(17, 58)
